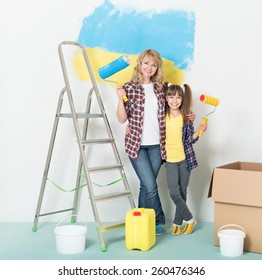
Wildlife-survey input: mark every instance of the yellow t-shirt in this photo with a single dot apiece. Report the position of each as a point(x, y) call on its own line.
point(174, 145)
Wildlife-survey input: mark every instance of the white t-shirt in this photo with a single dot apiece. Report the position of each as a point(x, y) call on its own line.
point(151, 134)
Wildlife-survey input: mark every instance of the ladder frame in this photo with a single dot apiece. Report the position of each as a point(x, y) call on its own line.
point(82, 142)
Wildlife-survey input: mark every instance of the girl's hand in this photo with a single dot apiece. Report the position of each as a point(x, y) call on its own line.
point(191, 116)
point(203, 127)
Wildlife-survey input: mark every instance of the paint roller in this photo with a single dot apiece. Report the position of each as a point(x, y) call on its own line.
point(210, 101)
point(112, 68)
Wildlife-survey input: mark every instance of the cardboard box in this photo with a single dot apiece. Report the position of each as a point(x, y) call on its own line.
point(236, 189)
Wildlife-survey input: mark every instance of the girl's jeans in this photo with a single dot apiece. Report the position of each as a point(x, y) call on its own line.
point(177, 181)
point(147, 166)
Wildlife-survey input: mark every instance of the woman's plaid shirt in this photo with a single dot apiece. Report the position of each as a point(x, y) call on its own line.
point(135, 114)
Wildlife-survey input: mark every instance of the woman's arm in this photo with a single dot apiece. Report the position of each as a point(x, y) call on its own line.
point(121, 111)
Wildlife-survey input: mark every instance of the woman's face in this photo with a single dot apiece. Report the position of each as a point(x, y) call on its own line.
point(148, 68)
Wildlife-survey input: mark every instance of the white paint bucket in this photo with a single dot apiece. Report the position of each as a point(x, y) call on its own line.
point(231, 240)
point(70, 239)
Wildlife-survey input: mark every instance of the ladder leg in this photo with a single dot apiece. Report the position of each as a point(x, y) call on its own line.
point(80, 165)
point(103, 247)
point(48, 160)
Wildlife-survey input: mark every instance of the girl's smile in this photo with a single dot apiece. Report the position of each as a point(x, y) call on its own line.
point(174, 102)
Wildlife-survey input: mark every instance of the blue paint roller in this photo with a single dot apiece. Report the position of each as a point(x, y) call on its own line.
point(112, 68)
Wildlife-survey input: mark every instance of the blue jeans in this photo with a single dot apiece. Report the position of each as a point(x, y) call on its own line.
point(147, 166)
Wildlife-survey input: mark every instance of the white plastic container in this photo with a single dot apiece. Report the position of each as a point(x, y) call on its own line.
point(70, 239)
point(231, 240)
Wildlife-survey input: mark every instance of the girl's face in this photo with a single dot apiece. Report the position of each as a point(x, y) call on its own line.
point(148, 68)
point(174, 101)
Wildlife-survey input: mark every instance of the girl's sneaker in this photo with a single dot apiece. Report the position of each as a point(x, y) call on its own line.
point(176, 230)
point(188, 229)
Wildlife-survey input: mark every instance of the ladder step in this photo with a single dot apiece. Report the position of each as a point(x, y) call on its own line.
point(98, 141)
point(111, 195)
point(112, 225)
point(82, 115)
point(55, 212)
point(104, 168)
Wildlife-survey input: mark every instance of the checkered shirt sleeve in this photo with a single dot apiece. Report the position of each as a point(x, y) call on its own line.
point(188, 141)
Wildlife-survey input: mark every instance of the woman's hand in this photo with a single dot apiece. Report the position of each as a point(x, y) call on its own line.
point(121, 111)
point(191, 116)
point(128, 131)
point(120, 92)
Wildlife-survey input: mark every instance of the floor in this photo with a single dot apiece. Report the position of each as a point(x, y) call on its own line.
point(19, 242)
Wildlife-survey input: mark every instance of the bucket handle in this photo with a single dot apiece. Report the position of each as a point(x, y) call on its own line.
point(230, 225)
point(58, 224)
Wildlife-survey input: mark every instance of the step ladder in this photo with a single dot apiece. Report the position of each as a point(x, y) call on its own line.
point(83, 142)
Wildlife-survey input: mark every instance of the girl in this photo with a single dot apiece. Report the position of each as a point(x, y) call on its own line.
point(145, 140)
point(181, 159)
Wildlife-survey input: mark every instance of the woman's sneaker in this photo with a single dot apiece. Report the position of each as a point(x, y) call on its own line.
point(160, 229)
point(176, 230)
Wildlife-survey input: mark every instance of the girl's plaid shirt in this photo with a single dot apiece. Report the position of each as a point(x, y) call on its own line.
point(188, 141)
point(135, 114)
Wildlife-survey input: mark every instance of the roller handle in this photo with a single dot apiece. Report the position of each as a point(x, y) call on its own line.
point(204, 121)
point(124, 96)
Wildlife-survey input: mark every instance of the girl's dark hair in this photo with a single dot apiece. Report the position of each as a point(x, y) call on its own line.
point(185, 92)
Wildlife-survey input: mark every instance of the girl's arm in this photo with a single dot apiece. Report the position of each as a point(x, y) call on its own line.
point(190, 135)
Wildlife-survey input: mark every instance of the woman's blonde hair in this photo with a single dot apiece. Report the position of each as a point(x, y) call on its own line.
point(183, 91)
point(156, 58)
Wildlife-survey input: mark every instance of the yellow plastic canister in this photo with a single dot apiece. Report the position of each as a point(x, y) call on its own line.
point(140, 229)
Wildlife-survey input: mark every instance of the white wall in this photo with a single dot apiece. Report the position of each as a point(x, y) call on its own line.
point(227, 65)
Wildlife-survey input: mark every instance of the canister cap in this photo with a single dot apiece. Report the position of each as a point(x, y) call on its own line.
point(137, 213)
